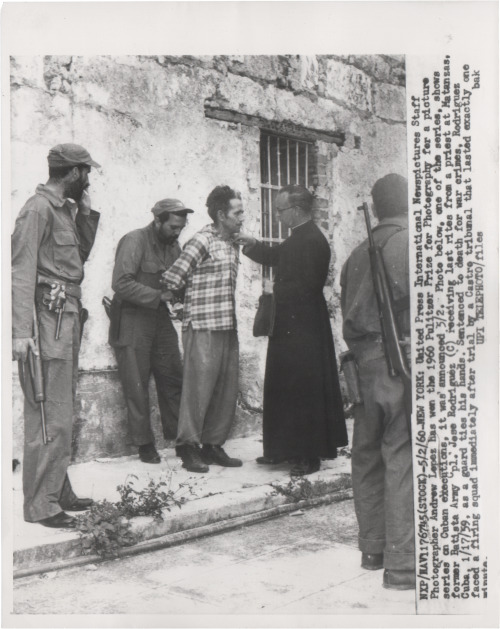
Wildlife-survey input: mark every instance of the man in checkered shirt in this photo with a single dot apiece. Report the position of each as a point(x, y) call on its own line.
point(207, 268)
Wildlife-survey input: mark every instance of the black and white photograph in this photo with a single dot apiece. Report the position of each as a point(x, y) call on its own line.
point(250, 322)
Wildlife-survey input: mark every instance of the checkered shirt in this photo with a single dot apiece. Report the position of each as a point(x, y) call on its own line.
point(207, 267)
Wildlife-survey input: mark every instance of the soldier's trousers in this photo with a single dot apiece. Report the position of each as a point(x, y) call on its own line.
point(154, 347)
point(382, 468)
point(47, 489)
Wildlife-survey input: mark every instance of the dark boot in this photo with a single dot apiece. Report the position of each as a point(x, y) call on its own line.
point(266, 460)
point(371, 561)
point(399, 579)
point(191, 459)
point(301, 466)
point(60, 521)
point(79, 504)
point(148, 453)
point(216, 455)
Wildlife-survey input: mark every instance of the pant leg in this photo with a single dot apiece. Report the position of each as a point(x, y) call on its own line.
point(202, 360)
point(368, 476)
point(67, 496)
point(384, 399)
point(220, 414)
point(167, 370)
point(45, 466)
point(134, 368)
point(399, 553)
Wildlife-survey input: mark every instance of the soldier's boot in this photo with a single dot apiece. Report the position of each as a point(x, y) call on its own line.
point(191, 459)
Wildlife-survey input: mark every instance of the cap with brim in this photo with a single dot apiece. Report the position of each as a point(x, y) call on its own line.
point(172, 206)
point(70, 155)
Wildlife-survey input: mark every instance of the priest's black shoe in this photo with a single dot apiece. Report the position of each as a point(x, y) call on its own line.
point(267, 460)
point(191, 458)
point(60, 521)
point(148, 453)
point(301, 467)
point(79, 504)
point(216, 455)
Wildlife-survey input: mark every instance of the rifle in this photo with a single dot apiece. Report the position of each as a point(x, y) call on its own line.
point(397, 363)
point(36, 373)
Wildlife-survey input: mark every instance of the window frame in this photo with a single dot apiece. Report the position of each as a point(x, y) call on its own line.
point(267, 187)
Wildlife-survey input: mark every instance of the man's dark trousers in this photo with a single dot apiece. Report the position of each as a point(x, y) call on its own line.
point(382, 467)
point(151, 345)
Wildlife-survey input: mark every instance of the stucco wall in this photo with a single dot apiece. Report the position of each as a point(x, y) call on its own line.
point(143, 119)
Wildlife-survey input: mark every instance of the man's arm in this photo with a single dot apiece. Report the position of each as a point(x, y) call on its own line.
point(258, 251)
point(128, 259)
point(26, 239)
point(195, 251)
point(87, 221)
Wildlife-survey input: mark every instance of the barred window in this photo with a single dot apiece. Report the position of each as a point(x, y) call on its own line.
point(283, 161)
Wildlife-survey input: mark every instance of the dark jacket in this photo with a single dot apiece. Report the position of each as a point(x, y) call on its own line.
point(303, 412)
point(140, 261)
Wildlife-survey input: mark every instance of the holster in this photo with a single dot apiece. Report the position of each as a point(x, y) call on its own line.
point(115, 313)
point(349, 368)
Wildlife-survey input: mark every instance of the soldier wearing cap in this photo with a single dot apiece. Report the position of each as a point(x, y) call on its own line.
point(141, 331)
point(382, 477)
point(53, 236)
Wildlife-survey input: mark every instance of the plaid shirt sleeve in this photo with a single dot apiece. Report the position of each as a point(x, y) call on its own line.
point(192, 255)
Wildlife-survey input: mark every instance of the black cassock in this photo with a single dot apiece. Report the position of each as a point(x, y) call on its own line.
point(303, 412)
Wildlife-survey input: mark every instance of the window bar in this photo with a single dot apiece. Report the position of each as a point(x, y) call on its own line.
point(269, 206)
point(278, 159)
point(278, 147)
point(288, 162)
point(296, 162)
point(307, 165)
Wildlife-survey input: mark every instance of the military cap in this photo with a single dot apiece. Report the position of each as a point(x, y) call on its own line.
point(173, 206)
point(70, 155)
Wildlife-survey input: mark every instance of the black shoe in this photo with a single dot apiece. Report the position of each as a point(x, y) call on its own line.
point(79, 504)
point(399, 579)
point(148, 453)
point(267, 460)
point(191, 458)
point(371, 561)
point(60, 521)
point(216, 455)
point(302, 467)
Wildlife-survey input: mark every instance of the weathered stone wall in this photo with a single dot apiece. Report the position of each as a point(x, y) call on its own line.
point(144, 120)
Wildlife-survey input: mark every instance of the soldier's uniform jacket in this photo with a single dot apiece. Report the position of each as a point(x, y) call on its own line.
point(51, 239)
point(359, 304)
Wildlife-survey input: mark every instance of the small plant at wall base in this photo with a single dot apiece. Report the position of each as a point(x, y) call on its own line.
point(152, 499)
point(104, 530)
point(300, 488)
point(106, 526)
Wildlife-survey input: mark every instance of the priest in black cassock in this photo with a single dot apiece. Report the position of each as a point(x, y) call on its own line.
point(303, 413)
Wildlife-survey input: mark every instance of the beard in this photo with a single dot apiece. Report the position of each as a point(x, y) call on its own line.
point(76, 189)
point(169, 240)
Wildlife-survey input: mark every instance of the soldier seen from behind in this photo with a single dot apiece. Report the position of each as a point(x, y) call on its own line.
point(381, 450)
